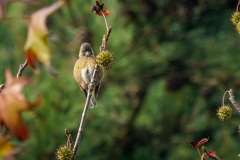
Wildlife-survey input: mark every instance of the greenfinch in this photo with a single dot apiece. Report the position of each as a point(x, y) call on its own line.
point(83, 71)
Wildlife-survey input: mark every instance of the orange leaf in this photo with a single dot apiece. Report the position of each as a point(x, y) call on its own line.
point(36, 46)
point(12, 103)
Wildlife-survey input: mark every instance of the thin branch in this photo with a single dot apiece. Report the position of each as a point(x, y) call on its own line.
point(105, 20)
point(203, 156)
point(69, 138)
point(21, 68)
point(19, 74)
point(234, 103)
point(105, 36)
point(238, 6)
point(210, 155)
point(89, 95)
point(223, 97)
point(199, 152)
point(2, 87)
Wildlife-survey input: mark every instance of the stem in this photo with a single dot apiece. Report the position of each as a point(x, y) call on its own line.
point(21, 68)
point(238, 6)
point(2, 87)
point(199, 152)
point(105, 36)
point(202, 157)
point(19, 74)
point(223, 97)
point(69, 138)
point(234, 103)
point(89, 95)
point(105, 20)
point(209, 155)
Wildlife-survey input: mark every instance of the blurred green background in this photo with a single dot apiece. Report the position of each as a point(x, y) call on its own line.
point(174, 59)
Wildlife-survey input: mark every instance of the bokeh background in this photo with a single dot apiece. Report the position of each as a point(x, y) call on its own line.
point(174, 59)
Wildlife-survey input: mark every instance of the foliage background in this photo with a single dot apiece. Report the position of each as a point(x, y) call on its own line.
point(173, 62)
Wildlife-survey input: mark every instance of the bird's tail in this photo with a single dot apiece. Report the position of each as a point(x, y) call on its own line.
point(93, 99)
point(93, 102)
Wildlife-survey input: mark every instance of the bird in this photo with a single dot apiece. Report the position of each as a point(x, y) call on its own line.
point(83, 71)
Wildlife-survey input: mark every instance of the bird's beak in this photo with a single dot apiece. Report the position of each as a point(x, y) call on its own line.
point(87, 53)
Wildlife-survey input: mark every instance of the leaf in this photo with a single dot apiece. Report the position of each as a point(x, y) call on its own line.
point(197, 144)
point(6, 148)
point(12, 103)
point(36, 47)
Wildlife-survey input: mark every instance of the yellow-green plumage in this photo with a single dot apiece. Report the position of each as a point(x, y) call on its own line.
point(83, 71)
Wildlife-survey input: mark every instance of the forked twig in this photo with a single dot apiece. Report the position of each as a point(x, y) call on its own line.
point(19, 74)
point(212, 156)
point(69, 138)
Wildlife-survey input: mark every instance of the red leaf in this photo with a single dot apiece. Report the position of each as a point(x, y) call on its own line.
point(197, 144)
point(12, 103)
point(212, 153)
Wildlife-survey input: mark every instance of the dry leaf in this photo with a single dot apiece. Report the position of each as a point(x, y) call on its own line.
point(36, 47)
point(12, 103)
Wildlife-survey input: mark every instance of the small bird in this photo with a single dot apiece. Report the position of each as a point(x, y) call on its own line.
point(83, 71)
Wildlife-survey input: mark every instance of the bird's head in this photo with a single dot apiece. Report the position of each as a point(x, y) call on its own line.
point(86, 50)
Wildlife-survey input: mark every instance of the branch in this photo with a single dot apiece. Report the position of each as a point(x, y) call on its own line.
point(210, 155)
point(69, 138)
point(105, 36)
point(19, 74)
point(21, 68)
point(2, 87)
point(238, 6)
point(89, 95)
point(90, 89)
point(203, 156)
point(234, 103)
point(223, 97)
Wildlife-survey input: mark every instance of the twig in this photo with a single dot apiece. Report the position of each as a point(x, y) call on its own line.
point(203, 156)
point(223, 97)
point(2, 87)
point(21, 68)
point(89, 95)
point(19, 74)
point(234, 103)
point(105, 20)
point(199, 152)
point(69, 138)
point(238, 6)
point(210, 155)
point(105, 36)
